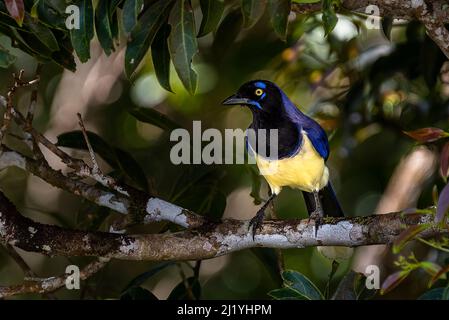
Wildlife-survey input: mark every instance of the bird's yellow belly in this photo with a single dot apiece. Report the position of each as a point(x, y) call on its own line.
point(305, 171)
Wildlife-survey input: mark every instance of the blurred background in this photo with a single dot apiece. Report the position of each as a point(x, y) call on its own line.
point(362, 87)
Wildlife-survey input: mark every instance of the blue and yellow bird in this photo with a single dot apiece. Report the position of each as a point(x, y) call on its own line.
point(303, 149)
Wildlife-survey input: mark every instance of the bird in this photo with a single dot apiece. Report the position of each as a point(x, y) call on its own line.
point(303, 149)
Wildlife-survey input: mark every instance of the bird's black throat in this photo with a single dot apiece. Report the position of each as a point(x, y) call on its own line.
point(289, 136)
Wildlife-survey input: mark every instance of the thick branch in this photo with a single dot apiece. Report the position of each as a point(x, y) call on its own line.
point(209, 241)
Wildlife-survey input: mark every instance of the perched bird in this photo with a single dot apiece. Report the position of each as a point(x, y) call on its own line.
point(303, 149)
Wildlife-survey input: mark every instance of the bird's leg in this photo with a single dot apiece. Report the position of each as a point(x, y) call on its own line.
point(256, 222)
point(318, 214)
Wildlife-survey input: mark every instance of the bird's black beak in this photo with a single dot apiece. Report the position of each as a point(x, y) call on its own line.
point(235, 100)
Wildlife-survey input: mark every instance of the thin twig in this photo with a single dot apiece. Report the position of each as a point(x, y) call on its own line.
point(96, 167)
point(48, 285)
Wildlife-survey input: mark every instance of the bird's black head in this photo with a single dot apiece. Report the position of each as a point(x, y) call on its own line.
point(261, 96)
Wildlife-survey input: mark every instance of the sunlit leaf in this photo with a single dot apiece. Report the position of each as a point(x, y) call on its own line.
point(183, 44)
point(252, 10)
point(393, 280)
point(430, 267)
point(279, 11)
point(425, 135)
point(443, 204)
point(16, 9)
point(300, 283)
point(131, 10)
point(212, 11)
point(143, 34)
point(81, 37)
point(161, 57)
point(407, 235)
point(154, 117)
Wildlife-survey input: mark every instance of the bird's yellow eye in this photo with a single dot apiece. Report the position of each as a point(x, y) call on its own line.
point(258, 92)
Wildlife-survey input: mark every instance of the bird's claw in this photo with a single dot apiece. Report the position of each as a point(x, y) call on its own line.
point(318, 219)
point(256, 222)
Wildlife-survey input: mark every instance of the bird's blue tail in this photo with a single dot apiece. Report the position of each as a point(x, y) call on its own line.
point(329, 202)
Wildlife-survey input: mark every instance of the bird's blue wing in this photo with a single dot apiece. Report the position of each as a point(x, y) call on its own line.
point(318, 137)
point(315, 133)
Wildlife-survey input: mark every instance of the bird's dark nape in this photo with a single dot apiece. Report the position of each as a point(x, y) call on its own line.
point(329, 202)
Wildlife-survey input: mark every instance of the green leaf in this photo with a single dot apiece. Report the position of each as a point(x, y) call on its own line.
point(407, 235)
point(103, 25)
point(141, 278)
point(154, 117)
point(387, 25)
point(138, 293)
point(6, 58)
point(75, 139)
point(252, 10)
point(131, 10)
point(279, 11)
point(115, 157)
point(212, 11)
point(183, 44)
point(131, 168)
point(227, 32)
point(286, 294)
point(330, 18)
point(81, 37)
point(43, 33)
point(161, 57)
point(16, 9)
point(445, 295)
point(300, 283)
point(349, 286)
point(434, 294)
point(144, 33)
point(431, 268)
point(51, 15)
point(180, 292)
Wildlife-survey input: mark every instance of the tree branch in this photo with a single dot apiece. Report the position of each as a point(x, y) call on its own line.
point(208, 241)
point(432, 14)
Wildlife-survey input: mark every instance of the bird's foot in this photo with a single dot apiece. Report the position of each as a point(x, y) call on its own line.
point(317, 217)
point(256, 222)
